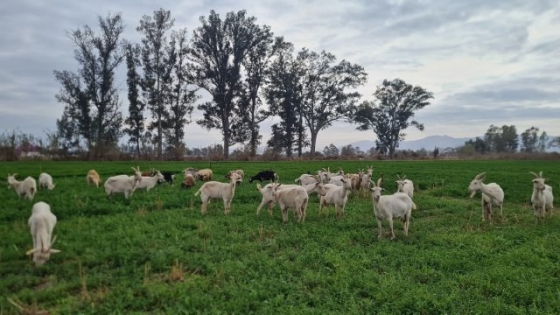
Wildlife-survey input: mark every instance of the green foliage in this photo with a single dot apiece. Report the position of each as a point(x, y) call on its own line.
point(396, 104)
point(156, 253)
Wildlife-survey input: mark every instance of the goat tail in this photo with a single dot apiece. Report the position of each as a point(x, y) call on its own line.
point(197, 193)
point(413, 206)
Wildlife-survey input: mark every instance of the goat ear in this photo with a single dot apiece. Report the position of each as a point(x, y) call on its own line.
point(32, 251)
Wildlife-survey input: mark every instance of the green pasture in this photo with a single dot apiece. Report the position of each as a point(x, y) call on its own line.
point(156, 253)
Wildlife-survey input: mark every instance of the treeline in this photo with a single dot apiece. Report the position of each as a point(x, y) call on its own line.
point(236, 72)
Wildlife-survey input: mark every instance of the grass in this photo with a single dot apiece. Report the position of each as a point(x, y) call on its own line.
point(156, 253)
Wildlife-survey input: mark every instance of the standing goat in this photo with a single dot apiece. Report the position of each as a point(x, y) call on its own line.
point(337, 196)
point(26, 188)
point(397, 205)
point(149, 182)
point(405, 185)
point(492, 194)
point(41, 224)
point(216, 190)
point(542, 197)
point(123, 183)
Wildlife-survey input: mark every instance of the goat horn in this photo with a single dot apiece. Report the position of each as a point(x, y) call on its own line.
point(32, 251)
point(53, 240)
point(481, 175)
point(398, 176)
point(534, 174)
point(379, 181)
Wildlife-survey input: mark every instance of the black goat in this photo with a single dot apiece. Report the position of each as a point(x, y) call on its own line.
point(264, 175)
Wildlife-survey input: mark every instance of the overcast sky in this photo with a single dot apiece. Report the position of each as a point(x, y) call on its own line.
point(486, 62)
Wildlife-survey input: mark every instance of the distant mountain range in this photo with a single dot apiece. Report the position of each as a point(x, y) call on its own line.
point(428, 143)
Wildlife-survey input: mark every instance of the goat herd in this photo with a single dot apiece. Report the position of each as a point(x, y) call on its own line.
point(332, 188)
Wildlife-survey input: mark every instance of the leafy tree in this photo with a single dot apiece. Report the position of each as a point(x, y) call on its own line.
point(325, 90)
point(555, 142)
point(504, 139)
point(135, 119)
point(157, 69)
point(92, 108)
point(348, 150)
point(478, 145)
point(331, 150)
point(219, 49)
point(182, 95)
point(283, 94)
point(543, 142)
point(396, 104)
point(256, 64)
point(529, 140)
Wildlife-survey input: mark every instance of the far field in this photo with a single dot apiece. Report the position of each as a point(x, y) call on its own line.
point(156, 253)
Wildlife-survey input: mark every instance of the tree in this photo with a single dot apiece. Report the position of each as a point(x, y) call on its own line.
point(325, 90)
point(529, 139)
point(555, 142)
point(331, 150)
point(218, 51)
point(479, 145)
point(396, 104)
point(93, 108)
point(504, 139)
point(283, 94)
point(135, 119)
point(543, 142)
point(182, 95)
point(256, 64)
point(157, 69)
point(348, 150)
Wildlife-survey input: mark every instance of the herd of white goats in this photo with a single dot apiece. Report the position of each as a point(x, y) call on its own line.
point(332, 188)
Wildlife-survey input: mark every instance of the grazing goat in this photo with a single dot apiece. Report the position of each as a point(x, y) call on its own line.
point(190, 170)
point(405, 186)
point(168, 177)
point(26, 188)
point(46, 181)
point(542, 198)
point(216, 190)
point(337, 196)
point(204, 174)
point(149, 182)
point(93, 178)
point(492, 194)
point(41, 223)
point(189, 181)
point(123, 183)
point(264, 175)
point(388, 207)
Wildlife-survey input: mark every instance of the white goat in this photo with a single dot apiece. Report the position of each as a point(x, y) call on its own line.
point(388, 207)
point(405, 186)
point(268, 196)
point(149, 182)
point(46, 181)
point(27, 187)
point(292, 197)
point(337, 196)
point(542, 198)
point(123, 183)
point(93, 178)
point(41, 224)
point(306, 179)
point(364, 184)
point(216, 190)
point(492, 194)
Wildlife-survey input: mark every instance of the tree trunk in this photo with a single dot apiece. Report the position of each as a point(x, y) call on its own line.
point(313, 142)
